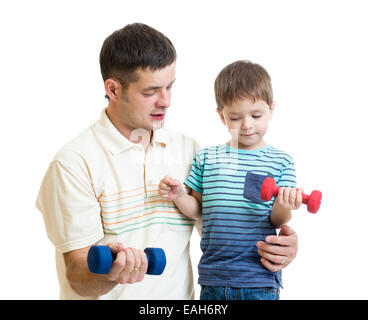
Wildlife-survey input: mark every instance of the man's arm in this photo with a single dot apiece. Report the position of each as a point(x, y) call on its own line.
point(85, 283)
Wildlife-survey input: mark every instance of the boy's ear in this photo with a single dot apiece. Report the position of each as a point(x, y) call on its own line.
point(221, 116)
point(272, 108)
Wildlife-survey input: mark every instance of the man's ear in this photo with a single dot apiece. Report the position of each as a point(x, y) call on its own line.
point(112, 87)
point(221, 116)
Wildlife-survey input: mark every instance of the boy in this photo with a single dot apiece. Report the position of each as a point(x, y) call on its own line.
point(234, 217)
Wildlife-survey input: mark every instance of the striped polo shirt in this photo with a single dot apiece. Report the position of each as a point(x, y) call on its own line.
point(234, 216)
point(102, 188)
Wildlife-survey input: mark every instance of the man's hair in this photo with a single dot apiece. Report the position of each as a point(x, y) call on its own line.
point(240, 80)
point(134, 46)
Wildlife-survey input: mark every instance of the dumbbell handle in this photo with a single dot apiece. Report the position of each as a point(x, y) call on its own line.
point(305, 197)
point(100, 259)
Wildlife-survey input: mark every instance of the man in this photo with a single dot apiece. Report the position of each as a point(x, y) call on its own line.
point(102, 186)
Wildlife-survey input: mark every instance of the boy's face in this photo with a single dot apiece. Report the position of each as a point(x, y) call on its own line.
point(144, 103)
point(247, 122)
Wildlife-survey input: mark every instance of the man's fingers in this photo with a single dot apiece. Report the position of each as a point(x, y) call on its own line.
point(281, 240)
point(117, 266)
point(267, 249)
point(270, 266)
point(144, 265)
point(273, 257)
point(134, 273)
point(115, 247)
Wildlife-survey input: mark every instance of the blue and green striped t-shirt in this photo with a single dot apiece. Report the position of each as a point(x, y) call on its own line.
point(233, 223)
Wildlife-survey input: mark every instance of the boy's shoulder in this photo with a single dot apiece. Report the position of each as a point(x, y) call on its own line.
point(278, 154)
point(209, 151)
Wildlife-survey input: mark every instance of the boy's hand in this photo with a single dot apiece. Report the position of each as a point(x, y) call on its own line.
point(170, 188)
point(289, 198)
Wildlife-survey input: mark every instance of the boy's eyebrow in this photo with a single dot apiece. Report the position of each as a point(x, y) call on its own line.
point(156, 87)
point(254, 110)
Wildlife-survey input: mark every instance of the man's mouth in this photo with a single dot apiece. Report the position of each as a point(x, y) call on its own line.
point(158, 116)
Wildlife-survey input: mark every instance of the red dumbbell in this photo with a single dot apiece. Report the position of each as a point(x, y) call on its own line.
point(269, 189)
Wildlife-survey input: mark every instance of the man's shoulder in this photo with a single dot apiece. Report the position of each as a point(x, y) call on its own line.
point(79, 148)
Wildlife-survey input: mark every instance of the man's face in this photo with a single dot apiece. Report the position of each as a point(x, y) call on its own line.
point(247, 122)
point(144, 103)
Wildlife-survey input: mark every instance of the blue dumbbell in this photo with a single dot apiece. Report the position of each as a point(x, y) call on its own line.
point(100, 259)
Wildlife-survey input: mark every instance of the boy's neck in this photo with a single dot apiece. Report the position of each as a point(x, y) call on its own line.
point(237, 145)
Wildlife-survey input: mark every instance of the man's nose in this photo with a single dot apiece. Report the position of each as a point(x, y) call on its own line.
point(164, 99)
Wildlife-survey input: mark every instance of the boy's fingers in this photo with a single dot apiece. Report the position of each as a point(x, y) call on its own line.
point(292, 197)
point(299, 197)
point(171, 182)
point(286, 195)
point(164, 186)
point(280, 195)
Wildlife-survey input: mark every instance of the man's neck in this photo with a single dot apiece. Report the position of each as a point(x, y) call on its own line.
point(137, 136)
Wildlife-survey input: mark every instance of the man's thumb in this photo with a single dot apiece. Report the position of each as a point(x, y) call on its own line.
point(285, 230)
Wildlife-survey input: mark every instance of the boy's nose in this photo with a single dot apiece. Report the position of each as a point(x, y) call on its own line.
point(246, 124)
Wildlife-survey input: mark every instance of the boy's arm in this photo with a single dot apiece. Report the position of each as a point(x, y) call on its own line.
point(287, 199)
point(189, 204)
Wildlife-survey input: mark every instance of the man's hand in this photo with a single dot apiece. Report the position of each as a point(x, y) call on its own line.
point(170, 188)
point(130, 264)
point(275, 258)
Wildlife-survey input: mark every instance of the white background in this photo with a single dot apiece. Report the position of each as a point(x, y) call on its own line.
point(316, 53)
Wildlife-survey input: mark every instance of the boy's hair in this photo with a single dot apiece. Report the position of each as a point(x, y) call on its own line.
point(240, 80)
point(134, 46)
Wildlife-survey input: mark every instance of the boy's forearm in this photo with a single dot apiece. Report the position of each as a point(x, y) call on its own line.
point(189, 206)
point(279, 216)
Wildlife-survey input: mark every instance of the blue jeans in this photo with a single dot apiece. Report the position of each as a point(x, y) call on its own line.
point(229, 293)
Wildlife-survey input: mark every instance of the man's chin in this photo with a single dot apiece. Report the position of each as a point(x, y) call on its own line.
point(157, 125)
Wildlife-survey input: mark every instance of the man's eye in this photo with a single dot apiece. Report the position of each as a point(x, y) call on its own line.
point(148, 94)
point(257, 116)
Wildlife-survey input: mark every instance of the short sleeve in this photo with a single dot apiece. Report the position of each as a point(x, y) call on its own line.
point(195, 177)
point(70, 209)
point(288, 176)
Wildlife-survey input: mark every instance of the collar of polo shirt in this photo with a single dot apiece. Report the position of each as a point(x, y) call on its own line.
point(116, 142)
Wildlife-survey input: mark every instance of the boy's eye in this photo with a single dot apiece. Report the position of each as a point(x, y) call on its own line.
point(257, 116)
point(234, 119)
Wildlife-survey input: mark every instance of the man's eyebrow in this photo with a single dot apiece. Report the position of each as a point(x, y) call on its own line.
point(157, 87)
